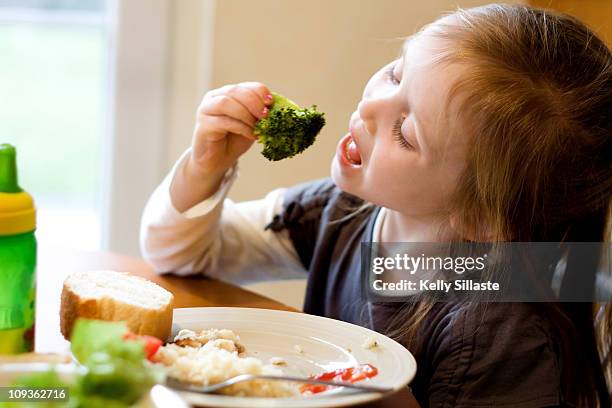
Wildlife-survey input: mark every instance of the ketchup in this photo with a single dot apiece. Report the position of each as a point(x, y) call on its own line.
point(349, 374)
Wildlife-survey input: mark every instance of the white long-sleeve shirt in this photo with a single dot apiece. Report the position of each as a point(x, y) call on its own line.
point(218, 237)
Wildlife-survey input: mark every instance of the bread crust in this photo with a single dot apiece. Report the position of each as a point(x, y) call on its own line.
point(140, 320)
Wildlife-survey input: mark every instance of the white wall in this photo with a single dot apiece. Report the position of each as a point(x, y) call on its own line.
point(191, 70)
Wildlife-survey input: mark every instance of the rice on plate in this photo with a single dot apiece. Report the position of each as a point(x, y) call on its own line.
point(212, 356)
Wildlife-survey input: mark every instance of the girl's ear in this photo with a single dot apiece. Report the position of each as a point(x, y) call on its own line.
point(475, 231)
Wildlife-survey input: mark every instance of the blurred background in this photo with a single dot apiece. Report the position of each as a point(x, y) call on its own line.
point(99, 96)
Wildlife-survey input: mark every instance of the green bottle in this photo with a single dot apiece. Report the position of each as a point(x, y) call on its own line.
point(17, 259)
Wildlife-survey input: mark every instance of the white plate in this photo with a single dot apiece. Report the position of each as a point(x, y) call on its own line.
point(326, 344)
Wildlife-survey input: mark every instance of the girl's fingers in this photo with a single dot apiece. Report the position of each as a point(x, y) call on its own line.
point(217, 91)
point(222, 125)
point(250, 100)
point(232, 109)
point(261, 90)
point(226, 105)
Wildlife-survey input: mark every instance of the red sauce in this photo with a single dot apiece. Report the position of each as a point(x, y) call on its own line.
point(349, 374)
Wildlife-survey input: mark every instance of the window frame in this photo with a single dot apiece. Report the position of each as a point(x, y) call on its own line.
point(133, 155)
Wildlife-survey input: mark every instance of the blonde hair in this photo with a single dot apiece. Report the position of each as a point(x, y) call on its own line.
point(535, 103)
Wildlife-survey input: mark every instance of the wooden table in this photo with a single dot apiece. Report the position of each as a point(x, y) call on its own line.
point(54, 264)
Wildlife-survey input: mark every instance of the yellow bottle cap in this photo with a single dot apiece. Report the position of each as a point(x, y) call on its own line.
point(17, 213)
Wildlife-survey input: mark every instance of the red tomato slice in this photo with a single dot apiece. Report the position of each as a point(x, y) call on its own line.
point(151, 344)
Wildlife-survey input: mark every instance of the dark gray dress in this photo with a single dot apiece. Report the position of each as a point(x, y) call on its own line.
point(501, 355)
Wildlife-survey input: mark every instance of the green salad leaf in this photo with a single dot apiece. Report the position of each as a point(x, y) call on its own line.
point(91, 336)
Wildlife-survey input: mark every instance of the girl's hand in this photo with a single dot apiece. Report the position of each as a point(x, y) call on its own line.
point(224, 125)
point(223, 132)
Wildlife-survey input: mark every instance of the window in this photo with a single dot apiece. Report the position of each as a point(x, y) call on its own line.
point(54, 79)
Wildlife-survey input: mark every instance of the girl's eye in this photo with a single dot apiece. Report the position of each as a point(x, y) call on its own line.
point(397, 134)
point(390, 75)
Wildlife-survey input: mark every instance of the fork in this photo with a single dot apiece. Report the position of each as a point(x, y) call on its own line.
point(179, 385)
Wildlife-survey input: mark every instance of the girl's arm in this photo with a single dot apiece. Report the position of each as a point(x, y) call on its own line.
point(217, 237)
point(187, 227)
point(223, 132)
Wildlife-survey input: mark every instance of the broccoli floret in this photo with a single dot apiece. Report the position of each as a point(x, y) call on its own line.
point(288, 129)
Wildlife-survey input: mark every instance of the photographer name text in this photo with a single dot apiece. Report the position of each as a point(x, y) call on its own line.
point(437, 285)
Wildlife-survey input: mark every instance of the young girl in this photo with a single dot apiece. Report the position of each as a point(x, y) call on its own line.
point(494, 125)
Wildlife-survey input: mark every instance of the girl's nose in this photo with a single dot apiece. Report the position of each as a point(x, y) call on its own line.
point(366, 110)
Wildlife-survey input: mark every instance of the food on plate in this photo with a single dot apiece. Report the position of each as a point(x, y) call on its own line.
point(144, 306)
point(348, 374)
point(278, 361)
point(215, 355)
point(369, 343)
point(119, 367)
point(116, 372)
point(288, 129)
point(151, 344)
point(212, 356)
point(189, 338)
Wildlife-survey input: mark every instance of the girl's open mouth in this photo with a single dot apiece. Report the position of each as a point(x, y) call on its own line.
point(349, 151)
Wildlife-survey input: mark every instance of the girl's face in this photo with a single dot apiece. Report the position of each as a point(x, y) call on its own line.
point(398, 153)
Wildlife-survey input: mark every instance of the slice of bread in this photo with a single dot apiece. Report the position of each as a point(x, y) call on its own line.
point(116, 296)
